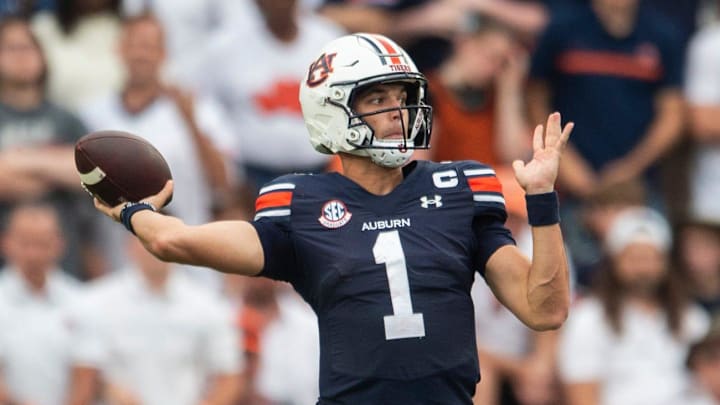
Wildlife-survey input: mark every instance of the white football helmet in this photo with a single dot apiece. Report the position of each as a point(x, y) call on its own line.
point(353, 63)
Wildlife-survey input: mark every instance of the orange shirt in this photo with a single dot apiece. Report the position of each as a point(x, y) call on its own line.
point(461, 133)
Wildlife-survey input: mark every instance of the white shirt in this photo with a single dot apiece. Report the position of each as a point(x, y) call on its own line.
point(702, 88)
point(189, 24)
point(162, 125)
point(35, 338)
point(258, 79)
point(644, 365)
point(289, 367)
point(72, 79)
point(161, 347)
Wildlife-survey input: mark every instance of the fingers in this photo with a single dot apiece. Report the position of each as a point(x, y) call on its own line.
point(106, 209)
point(160, 199)
point(537, 140)
point(557, 136)
point(566, 133)
point(552, 128)
point(518, 165)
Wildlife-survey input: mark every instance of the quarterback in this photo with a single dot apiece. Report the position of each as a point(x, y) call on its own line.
point(386, 252)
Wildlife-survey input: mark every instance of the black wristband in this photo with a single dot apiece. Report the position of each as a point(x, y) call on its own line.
point(543, 209)
point(129, 209)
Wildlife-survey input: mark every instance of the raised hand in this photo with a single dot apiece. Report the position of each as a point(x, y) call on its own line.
point(538, 175)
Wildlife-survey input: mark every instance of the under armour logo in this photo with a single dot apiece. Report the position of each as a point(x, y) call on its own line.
point(426, 202)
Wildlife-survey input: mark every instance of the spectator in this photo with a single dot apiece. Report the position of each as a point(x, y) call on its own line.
point(627, 343)
point(595, 215)
point(685, 16)
point(477, 98)
point(263, 100)
point(614, 69)
point(702, 89)
point(698, 248)
point(421, 26)
point(79, 39)
point(189, 133)
point(281, 343)
point(35, 301)
point(157, 338)
point(526, 18)
point(36, 141)
point(290, 356)
point(704, 363)
point(189, 25)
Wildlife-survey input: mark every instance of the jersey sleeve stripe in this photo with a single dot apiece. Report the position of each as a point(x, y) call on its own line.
point(274, 199)
point(479, 172)
point(273, 213)
point(489, 198)
point(275, 187)
point(485, 184)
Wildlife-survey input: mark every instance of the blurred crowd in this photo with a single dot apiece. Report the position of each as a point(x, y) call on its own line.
point(88, 317)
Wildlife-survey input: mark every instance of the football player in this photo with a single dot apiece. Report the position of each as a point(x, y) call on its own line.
point(385, 253)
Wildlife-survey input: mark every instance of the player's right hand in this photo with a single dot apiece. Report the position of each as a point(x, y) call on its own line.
point(157, 200)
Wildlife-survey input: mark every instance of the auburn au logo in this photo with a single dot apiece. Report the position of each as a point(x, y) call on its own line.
point(320, 69)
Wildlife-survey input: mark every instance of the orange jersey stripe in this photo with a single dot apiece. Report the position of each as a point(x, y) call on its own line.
point(274, 199)
point(611, 64)
point(485, 184)
point(389, 48)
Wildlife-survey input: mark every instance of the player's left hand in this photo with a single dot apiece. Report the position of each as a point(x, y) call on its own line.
point(538, 175)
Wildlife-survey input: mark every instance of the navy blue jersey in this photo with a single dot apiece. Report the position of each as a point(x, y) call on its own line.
point(606, 85)
point(388, 276)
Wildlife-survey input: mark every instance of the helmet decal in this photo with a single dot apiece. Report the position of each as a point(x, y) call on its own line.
point(320, 69)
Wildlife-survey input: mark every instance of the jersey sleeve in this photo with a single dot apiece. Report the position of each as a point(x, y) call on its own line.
point(273, 210)
point(489, 212)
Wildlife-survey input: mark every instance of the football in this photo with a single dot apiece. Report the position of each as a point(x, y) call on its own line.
point(117, 167)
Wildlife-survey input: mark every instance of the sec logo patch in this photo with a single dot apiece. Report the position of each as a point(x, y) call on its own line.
point(334, 214)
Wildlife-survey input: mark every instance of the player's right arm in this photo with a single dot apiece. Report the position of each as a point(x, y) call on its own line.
point(227, 246)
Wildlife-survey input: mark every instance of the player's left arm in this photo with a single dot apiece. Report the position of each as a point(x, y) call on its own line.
point(537, 291)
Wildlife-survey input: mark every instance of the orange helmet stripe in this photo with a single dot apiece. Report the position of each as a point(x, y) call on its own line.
point(395, 60)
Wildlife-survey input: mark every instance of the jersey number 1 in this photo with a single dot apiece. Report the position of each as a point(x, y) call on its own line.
point(403, 323)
